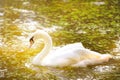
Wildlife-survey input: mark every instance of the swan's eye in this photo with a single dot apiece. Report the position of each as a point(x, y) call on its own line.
point(31, 40)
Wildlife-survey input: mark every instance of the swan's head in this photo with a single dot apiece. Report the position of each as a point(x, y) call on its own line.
point(39, 34)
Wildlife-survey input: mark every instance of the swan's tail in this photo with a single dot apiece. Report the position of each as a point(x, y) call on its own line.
point(106, 57)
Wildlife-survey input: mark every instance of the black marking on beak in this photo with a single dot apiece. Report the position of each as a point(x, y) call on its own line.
point(31, 39)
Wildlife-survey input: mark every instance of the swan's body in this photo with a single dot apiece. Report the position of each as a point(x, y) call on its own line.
point(74, 55)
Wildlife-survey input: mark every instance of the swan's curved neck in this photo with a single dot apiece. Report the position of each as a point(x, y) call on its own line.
point(47, 47)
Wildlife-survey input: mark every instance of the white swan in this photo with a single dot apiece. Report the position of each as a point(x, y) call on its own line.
point(74, 55)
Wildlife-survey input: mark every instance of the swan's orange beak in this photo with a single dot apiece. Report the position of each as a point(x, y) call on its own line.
point(31, 43)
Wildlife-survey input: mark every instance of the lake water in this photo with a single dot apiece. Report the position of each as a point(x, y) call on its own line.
point(28, 23)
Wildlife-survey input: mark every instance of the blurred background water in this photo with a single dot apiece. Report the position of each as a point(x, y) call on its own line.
point(95, 23)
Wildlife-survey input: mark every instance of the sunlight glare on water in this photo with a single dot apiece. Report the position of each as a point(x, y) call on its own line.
point(16, 58)
point(102, 69)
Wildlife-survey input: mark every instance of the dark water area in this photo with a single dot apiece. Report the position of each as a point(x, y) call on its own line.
point(95, 23)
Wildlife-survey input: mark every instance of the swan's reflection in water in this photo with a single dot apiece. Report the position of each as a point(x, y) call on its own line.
point(97, 72)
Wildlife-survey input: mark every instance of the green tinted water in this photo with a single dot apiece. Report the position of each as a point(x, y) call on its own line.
point(94, 23)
